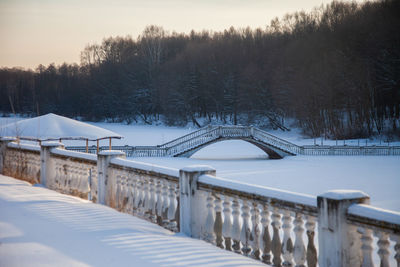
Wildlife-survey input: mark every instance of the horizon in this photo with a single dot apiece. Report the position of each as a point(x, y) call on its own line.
point(45, 32)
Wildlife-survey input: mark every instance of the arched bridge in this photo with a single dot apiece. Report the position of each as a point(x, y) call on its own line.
point(189, 144)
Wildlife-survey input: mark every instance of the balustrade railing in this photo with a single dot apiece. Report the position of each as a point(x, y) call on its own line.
point(274, 226)
point(22, 162)
point(75, 173)
point(145, 193)
point(265, 224)
point(376, 225)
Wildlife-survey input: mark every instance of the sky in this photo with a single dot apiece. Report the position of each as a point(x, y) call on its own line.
point(37, 32)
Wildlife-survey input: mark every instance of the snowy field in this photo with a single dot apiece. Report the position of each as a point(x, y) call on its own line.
point(40, 227)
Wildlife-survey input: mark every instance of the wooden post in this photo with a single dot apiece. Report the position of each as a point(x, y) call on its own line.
point(109, 147)
point(87, 145)
point(97, 146)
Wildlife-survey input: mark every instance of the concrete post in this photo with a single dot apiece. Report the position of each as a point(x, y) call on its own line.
point(339, 243)
point(46, 165)
point(3, 149)
point(103, 161)
point(190, 201)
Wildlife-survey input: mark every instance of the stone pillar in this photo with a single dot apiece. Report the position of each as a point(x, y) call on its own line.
point(3, 149)
point(103, 179)
point(190, 201)
point(47, 168)
point(339, 242)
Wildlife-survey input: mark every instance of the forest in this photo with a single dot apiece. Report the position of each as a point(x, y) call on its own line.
point(334, 71)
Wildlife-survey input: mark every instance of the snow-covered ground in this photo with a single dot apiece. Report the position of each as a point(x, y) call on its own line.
point(40, 227)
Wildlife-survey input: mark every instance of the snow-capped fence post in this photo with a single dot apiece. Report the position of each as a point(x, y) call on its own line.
point(191, 215)
point(47, 167)
point(3, 148)
point(103, 161)
point(339, 243)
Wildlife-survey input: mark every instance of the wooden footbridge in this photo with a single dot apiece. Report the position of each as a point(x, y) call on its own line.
point(275, 147)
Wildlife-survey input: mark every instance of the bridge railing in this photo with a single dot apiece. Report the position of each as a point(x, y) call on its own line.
point(351, 150)
point(187, 137)
point(276, 141)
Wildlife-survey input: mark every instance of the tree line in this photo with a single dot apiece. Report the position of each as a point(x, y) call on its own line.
point(335, 70)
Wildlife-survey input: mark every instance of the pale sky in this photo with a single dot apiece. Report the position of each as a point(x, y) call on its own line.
point(37, 32)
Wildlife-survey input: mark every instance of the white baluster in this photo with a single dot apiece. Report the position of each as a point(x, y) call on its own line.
point(172, 208)
point(209, 225)
point(366, 248)
point(117, 189)
point(123, 191)
point(299, 250)
point(159, 201)
point(227, 226)
point(218, 222)
point(276, 241)
point(255, 233)
point(146, 190)
point(245, 233)
point(287, 244)
point(236, 227)
point(265, 236)
point(140, 197)
point(135, 192)
point(153, 197)
point(165, 204)
point(311, 249)
point(383, 252)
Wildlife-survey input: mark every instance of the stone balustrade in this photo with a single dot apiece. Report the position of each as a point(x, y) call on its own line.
point(277, 227)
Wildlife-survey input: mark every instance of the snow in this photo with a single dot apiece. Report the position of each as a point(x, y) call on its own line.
point(197, 168)
point(260, 190)
point(25, 146)
point(69, 153)
point(344, 194)
point(112, 153)
point(40, 227)
point(52, 126)
point(375, 213)
point(146, 166)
